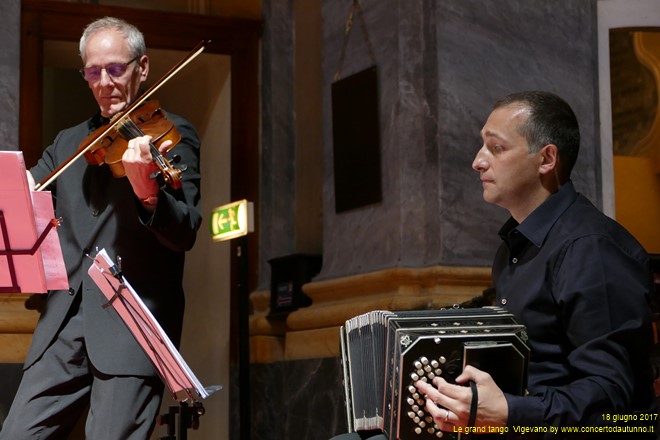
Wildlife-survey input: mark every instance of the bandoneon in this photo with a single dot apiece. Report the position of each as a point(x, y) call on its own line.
point(385, 353)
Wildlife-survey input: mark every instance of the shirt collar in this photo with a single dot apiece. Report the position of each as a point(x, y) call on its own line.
point(98, 121)
point(537, 225)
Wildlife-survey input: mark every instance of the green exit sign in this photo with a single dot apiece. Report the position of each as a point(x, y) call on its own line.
point(232, 220)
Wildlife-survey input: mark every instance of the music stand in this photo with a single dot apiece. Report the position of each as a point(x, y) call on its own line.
point(171, 367)
point(31, 257)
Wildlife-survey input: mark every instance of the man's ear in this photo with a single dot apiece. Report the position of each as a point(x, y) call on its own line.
point(549, 159)
point(144, 67)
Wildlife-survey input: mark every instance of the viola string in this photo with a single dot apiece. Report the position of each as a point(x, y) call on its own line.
point(133, 131)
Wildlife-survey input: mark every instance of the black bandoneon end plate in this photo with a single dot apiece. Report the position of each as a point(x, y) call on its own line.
point(385, 353)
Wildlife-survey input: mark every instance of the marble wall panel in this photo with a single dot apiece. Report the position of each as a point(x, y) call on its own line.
point(277, 192)
point(485, 50)
point(10, 377)
point(297, 400)
point(9, 73)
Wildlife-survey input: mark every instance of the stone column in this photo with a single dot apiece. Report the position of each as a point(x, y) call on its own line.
point(16, 322)
point(10, 11)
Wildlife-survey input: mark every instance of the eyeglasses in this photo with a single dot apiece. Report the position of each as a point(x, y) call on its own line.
point(114, 70)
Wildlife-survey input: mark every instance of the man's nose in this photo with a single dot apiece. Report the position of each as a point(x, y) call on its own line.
point(480, 163)
point(105, 78)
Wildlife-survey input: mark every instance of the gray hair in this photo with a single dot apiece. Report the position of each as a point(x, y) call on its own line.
point(133, 36)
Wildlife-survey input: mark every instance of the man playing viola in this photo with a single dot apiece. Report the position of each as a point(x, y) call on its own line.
point(82, 355)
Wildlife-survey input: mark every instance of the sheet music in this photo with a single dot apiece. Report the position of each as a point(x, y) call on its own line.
point(25, 221)
point(51, 250)
point(171, 367)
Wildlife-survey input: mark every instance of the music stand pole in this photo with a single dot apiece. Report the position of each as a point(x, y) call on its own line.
point(188, 419)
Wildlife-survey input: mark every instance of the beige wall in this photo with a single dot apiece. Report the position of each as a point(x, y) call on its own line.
point(201, 93)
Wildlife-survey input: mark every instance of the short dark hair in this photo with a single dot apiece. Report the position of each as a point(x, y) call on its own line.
point(551, 121)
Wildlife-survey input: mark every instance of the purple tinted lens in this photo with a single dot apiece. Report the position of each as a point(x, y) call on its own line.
point(92, 73)
point(115, 70)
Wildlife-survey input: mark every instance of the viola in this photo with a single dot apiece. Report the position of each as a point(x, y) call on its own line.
point(130, 124)
point(105, 146)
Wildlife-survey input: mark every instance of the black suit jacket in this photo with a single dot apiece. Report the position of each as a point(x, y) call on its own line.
point(101, 211)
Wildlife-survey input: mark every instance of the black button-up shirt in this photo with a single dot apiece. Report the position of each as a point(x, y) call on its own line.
point(580, 283)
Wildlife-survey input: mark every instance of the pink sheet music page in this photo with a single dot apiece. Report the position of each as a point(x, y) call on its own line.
point(26, 272)
point(51, 250)
point(171, 367)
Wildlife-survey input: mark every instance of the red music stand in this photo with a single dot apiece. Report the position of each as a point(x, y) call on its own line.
point(31, 257)
point(171, 367)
